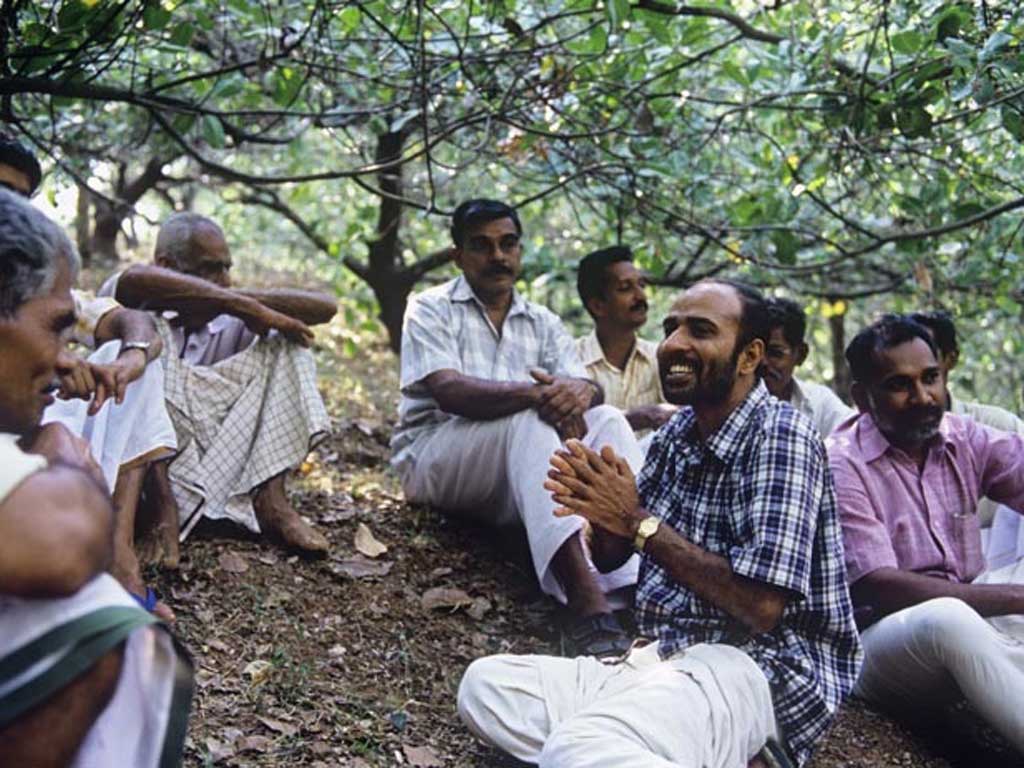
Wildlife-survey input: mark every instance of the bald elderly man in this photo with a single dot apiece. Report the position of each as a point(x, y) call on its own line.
point(240, 382)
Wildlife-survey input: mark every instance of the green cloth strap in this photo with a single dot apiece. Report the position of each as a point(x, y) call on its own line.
point(86, 639)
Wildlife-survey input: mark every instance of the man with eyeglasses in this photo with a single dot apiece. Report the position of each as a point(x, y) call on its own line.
point(491, 386)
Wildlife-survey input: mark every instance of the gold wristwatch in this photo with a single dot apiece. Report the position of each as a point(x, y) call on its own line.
point(648, 527)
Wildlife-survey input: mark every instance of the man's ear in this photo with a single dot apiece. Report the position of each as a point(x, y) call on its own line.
point(951, 359)
point(751, 358)
point(859, 393)
point(597, 307)
point(457, 255)
point(801, 353)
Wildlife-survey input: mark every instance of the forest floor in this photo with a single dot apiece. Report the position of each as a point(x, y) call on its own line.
point(355, 661)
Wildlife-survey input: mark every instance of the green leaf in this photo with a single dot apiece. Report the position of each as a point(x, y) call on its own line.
point(287, 83)
point(618, 11)
point(914, 122)
point(907, 42)
point(72, 15)
point(1012, 122)
point(213, 131)
point(182, 34)
point(994, 45)
point(349, 18)
point(155, 16)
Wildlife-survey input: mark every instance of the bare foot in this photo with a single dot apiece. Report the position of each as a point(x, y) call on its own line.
point(125, 569)
point(279, 520)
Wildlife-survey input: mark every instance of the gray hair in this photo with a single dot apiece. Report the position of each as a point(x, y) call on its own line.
point(31, 250)
point(174, 239)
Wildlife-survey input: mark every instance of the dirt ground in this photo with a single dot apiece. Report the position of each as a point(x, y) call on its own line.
point(353, 661)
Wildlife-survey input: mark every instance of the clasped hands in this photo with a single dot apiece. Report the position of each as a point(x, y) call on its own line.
point(600, 487)
point(561, 402)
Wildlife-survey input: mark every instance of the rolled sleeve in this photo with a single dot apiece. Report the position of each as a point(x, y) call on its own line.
point(428, 342)
point(789, 480)
point(866, 539)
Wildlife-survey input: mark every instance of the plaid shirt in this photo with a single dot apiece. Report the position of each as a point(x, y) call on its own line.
point(758, 493)
point(446, 327)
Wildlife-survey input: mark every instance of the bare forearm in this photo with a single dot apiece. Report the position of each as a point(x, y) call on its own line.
point(649, 416)
point(888, 590)
point(129, 325)
point(154, 288)
point(756, 605)
point(312, 308)
point(480, 399)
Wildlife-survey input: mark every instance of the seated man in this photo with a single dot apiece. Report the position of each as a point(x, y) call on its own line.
point(785, 352)
point(741, 585)
point(908, 479)
point(246, 410)
point(1002, 528)
point(626, 366)
point(87, 678)
point(491, 385)
point(134, 429)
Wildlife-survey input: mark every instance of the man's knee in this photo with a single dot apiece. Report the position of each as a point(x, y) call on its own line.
point(948, 623)
point(575, 737)
point(477, 691)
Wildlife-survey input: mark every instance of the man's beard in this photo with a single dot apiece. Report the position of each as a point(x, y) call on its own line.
point(715, 386)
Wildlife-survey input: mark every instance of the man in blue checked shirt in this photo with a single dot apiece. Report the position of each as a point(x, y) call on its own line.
point(742, 585)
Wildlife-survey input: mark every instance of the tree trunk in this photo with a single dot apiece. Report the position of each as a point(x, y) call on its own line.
point(106, 226)
point(840, 370)
point(385, 272)
point(82, 222)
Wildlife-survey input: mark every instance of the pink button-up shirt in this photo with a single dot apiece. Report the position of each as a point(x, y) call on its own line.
point(895, 515)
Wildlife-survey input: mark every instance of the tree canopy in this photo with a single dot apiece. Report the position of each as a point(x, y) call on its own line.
point(840, 150)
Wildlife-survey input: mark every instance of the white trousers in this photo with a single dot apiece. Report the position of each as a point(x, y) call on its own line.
point(707, 706)
point(130, 434)
point(494, 472)
point(930, 654)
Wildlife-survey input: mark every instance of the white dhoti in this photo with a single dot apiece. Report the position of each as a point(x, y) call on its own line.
point(709, 705)
point(239, 423)
point(46, 644)
point(494, 472)
point(121, 436)
point(931, 654)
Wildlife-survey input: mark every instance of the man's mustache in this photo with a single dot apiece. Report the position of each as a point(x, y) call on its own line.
point(499, 269)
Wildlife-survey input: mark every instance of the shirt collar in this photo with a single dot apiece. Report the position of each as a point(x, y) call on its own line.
point(462, 291)
point(873, 444)
point(730, 438)
point(590, 349)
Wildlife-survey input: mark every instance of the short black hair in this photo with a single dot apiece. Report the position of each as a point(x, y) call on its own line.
point(788, 315)
point(940, 323)
point(591, 275)
point(473, 213)
point(755, 321)
point(888, 331)
point(17, 155)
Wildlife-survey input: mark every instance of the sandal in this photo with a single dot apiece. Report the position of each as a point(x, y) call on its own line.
point(599, 635)
point(150, 602)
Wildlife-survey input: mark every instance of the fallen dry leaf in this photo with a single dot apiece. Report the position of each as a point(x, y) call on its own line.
point(367, 544)
point(257, 670)
point(422, 757)
point(219, 750)
point(359, 567)
point(254, 744)
point(232, 562)
point(285, 729)
point(445, 597)
point(479, 607)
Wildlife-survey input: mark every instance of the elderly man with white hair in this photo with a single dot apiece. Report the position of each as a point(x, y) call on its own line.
point(87, 678)
point(240, 383)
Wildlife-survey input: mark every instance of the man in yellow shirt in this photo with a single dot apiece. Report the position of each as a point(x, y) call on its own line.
point(613, 291)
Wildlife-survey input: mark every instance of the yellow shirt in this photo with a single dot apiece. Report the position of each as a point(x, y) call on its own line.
point(635, 385)
point(15, 464)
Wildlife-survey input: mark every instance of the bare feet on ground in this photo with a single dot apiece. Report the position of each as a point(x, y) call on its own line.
point(279, 520)
point(125, 569)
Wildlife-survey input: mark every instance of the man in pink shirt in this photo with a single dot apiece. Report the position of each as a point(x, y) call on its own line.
point(908, 479)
